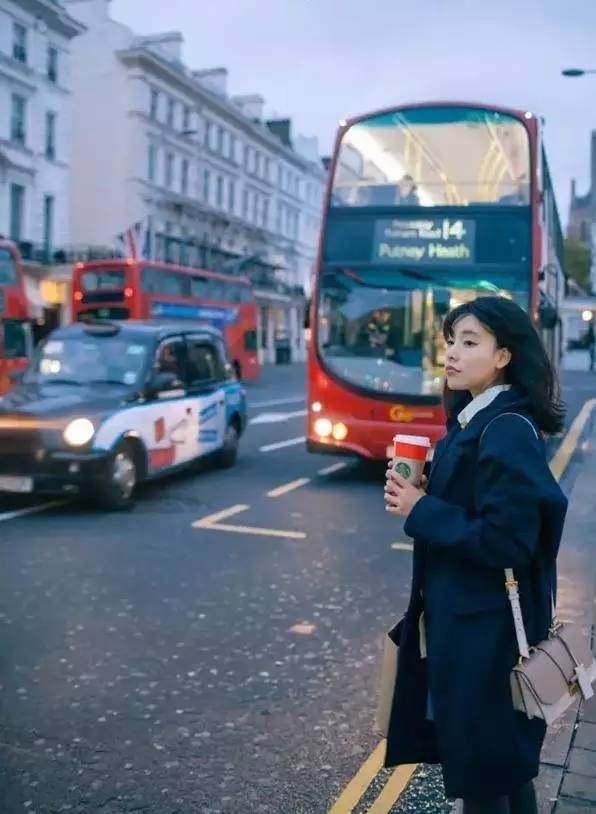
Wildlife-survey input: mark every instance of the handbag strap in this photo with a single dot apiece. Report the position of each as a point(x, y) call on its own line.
point(511, 583)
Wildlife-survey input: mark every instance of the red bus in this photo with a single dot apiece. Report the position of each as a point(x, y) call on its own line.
point(428, 205)
point(139, 289)
point(15, 336)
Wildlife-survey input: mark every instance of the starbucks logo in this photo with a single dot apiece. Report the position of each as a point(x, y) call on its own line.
point(403, 469)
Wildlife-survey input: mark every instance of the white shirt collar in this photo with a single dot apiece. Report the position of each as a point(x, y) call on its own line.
point(480, 402)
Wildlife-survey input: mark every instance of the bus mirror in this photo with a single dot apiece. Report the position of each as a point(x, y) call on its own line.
point(548, 316)
point(16, 376)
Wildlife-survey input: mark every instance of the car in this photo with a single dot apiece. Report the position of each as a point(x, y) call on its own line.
point(103, 406)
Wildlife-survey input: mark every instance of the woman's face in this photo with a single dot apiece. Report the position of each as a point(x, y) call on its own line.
point(473, 361)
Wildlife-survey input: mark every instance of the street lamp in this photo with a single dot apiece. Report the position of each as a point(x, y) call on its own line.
point(587, 316)
point(577, 71)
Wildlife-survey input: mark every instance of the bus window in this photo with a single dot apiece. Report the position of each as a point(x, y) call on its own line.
point(14, 338)
point(216, 290)
point(250, 340)
point(164, 281)
point(8, 268)
point(199, 287)
point(102, 279)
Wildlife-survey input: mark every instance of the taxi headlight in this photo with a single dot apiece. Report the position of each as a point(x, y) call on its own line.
point(79, 432)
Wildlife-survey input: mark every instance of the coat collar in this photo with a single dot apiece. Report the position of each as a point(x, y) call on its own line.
point(507, 401)
point(480, 402)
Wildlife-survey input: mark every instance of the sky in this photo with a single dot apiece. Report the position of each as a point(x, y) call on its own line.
point(319, 61)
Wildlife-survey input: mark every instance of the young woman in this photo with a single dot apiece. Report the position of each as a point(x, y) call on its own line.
point(491, 503)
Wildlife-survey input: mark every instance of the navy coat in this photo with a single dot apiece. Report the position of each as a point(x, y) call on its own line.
point(490, 505)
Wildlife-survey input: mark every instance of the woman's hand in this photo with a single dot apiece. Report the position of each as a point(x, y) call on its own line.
point(400, 495)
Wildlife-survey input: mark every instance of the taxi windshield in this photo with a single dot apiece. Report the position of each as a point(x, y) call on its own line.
point(88, 360)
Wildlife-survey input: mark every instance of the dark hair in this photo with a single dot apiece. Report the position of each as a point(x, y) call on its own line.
point(530, 371)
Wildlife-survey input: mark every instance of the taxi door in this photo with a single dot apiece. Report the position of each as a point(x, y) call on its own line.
point(173, 430)
point(205, 378)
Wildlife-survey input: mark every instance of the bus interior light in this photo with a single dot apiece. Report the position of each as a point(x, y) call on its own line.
point(340, 431)
point(323, 427)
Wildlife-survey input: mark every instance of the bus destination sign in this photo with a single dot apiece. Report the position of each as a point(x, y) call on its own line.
point(437, 241)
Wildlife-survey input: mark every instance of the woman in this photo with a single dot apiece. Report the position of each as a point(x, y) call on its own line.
point(491, 503)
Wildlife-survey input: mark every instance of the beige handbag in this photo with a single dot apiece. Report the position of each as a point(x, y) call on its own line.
point(550, 676)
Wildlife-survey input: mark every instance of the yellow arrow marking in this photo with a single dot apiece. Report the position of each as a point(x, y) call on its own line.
point(212, 521)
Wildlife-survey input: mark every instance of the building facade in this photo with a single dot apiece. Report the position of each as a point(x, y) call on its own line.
point(582, 212)
point(198, 176)
point(35, 131)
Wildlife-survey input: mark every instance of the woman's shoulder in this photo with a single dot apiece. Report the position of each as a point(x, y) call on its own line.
point(517, 425)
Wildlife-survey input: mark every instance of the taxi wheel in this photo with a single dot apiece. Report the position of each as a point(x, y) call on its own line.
point(117, 491)
point(226, 457)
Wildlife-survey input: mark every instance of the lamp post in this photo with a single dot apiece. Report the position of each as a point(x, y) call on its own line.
point(573, 72)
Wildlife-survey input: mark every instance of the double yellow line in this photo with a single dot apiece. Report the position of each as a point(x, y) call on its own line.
point(401, 776)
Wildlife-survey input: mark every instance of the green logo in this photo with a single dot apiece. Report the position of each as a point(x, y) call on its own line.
point(403, 469)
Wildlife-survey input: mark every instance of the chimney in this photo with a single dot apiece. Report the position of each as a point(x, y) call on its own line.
point(282, 128)
point(251, 105)
point(215, 79)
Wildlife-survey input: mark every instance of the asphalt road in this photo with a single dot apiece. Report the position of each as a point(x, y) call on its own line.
point(154, 661)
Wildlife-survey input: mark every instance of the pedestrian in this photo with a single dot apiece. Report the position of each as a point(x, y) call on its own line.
point(490, 503)
point(591, 343)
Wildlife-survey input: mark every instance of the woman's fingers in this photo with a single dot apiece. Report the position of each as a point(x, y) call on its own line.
point(391, 499)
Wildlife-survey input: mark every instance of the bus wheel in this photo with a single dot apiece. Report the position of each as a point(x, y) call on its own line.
point(237, 369)
point(226, 456)
point(117, 491)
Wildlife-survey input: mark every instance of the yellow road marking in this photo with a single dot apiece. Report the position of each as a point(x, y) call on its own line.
point(288, 487)
point(563, 455)
point(392, 790)
point(397, 783)
point(360, 782)
point(212, 522)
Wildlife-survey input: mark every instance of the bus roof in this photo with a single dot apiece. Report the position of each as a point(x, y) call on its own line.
point(95, 265)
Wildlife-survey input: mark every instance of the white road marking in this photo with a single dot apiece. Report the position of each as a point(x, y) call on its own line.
point(212, 523)
point(276, 402)
point(276, 418)
point(282, 444)
point(31, 510)
point(329, 470)
point(402, 546)
point(288, 487)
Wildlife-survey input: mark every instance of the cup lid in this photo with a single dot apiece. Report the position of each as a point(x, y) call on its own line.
point(415, 440)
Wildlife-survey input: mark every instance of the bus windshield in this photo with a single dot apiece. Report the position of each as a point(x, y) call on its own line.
point(434, 156)
point(381, 330)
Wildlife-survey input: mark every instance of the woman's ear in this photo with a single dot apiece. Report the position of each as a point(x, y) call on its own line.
point(504, 357)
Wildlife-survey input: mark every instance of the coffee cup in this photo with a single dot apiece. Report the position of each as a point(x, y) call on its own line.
point(409, 456)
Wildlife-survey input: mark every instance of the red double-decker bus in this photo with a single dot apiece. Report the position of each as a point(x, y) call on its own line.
point(15, 336)
point(428, 205)
point(139, 289)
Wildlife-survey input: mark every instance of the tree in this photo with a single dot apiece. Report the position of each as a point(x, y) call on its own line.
point(577, 262)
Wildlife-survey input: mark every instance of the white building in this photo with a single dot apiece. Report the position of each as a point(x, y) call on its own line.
point(205, 178)
point(35, 126)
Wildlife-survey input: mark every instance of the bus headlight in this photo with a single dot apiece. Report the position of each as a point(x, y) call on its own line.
point(323, 427)
point(79, 432)
point(340, 431)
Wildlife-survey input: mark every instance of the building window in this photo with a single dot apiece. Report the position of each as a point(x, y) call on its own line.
point(206, 185)
point(186, 119)
point(169, 170)
point(208, 127)
point(52, 66)
point(245, 203)
point(154, 104)
point(248, 157)
point(17, 119)
point(258, 163)
point(233, 147)
point(151, 161)
point(171, 112)
point(226, 144)
point(220, 140)
point(265, 213)
point(17, 207)
point(255, 209)
point(220, 192)
point(268, 170)
point(184, 178)
point(231, 195)
point(48, 221)
point(50, 136)
point(279, 220)
point(19, 42)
